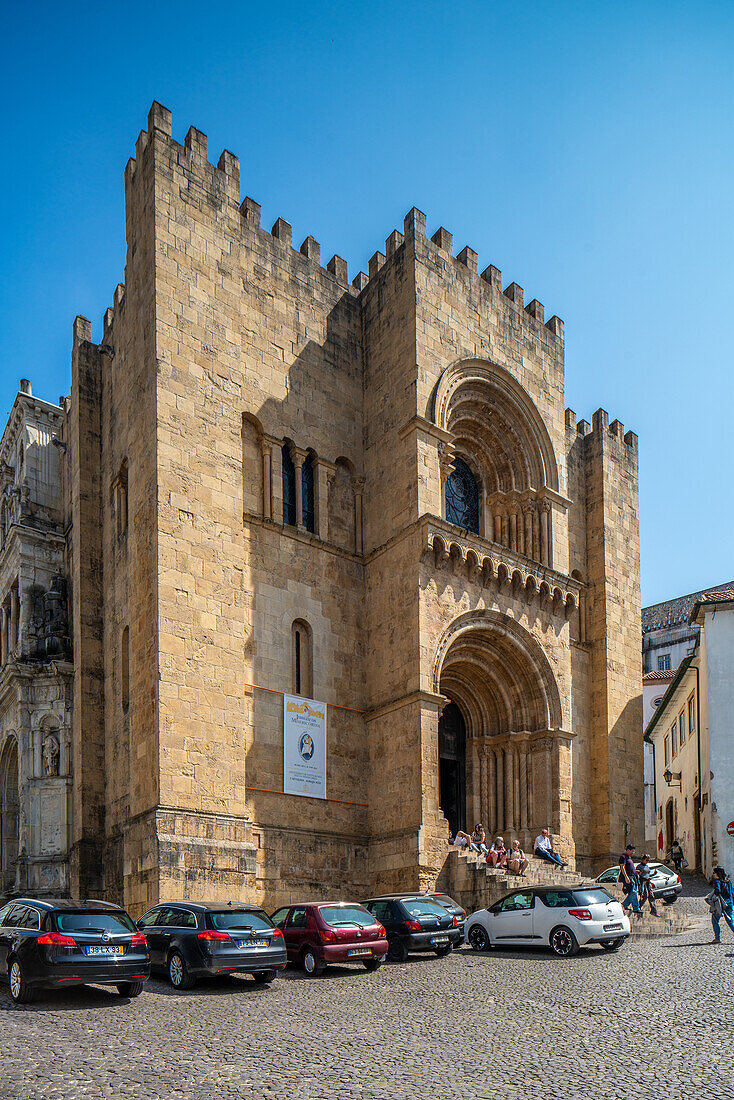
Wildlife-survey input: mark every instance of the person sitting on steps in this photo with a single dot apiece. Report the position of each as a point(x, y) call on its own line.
point(497, 855)
point(516, 859)
point(542, 849)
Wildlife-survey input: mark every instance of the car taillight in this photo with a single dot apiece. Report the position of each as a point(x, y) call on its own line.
point(55, 939)
point(277, 934)
point(212, 935)
point(463, 914)
point(580, 914)
point(413, 926)
point(138, 940)
point(454, 922)
point(381, 932)
point(327, 937)
point(677, 878)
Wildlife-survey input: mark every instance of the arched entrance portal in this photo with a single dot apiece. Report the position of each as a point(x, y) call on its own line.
point(9, 806)
point(452, 766)
point(505, 706)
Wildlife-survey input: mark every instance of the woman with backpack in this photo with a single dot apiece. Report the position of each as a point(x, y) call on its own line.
point(721, 902)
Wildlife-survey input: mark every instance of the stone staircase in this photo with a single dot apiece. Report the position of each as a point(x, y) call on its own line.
point(471, 881)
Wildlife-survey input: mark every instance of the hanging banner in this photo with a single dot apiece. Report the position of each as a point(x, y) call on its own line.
point(304, 746)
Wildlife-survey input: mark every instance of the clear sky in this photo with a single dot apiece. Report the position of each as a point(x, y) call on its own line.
point(586, 149)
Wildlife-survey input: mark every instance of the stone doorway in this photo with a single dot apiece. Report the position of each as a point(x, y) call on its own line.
point(9, 815)
point(452, 766)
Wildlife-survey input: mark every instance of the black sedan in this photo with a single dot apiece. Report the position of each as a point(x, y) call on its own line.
point(47, 944)
point(415, 922)
point(192, 940)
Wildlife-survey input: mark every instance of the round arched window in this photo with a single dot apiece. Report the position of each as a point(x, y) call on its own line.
point(462, 497)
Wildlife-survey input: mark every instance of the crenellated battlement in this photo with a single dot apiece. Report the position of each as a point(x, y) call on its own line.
point(600, 428)
point(227, 174)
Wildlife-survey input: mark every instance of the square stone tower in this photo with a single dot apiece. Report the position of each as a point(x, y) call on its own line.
point(365, 493)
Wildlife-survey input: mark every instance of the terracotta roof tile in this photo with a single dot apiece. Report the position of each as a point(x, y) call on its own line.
point(672, 613)
point(658, 677)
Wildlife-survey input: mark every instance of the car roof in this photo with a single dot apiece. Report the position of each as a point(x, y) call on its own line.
point(206, 906)
point(314, 904)
point(401, 897)
point(50, 904)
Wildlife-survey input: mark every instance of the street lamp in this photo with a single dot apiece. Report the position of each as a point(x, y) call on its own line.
point(670, 776)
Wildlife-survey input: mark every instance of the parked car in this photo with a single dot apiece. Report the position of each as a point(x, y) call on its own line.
point(192, 940)
point(554, 916)
point(47, 944)
point(415, 922)
point(319, 933)
point(451, 907)
point(666, 884)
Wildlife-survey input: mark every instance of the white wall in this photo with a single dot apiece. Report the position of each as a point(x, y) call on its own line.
point(719, 627)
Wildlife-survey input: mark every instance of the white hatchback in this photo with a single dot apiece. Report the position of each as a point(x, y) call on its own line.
point(553, 916)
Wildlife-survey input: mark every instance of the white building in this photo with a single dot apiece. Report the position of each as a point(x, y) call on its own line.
point(693, 741)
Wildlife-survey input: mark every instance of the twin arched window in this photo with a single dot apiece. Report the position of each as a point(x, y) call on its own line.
point(462, 497)
point(290, 488)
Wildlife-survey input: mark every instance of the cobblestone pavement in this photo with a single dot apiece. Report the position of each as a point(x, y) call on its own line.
point(653, 1020)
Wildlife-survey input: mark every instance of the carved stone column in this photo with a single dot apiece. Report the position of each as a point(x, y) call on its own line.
point(536, 536)
point(483, 787)
point(267, 458)
point(500, 792)
point(492, 792)
point(13, 627)
point(527, 514)
point(509, 790)
point(524, 788)
point(506, 531)
point(358, 484)
point(513, 531)
point(544, 544)
point(298, 459)
point(4, 637)
point(520, 533)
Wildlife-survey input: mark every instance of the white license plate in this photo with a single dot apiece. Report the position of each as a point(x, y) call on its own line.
point(252, 943)
point(612, 927)
point(359, 951)
point(104, 949)
point(439, 939)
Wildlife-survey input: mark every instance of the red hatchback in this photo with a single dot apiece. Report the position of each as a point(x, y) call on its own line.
point(328, 932)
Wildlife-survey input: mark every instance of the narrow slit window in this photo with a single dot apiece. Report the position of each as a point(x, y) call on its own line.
point(289, 488)
point(302, 658)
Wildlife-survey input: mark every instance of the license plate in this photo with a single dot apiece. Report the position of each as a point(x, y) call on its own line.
point(104, 949)
point(612, 927)
point(359, 951)
point(252, 943)
point(439, 939)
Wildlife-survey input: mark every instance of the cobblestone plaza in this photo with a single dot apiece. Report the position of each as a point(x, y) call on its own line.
point(653, 1020)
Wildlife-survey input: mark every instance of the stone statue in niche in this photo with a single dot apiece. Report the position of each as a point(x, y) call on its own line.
point(47, 629)
point(50, 755)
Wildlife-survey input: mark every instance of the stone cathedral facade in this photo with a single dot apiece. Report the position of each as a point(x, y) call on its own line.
point(275, 480)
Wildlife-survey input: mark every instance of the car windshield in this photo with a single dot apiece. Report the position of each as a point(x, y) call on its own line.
point(343, 916)
point(92, 920)
point(591, 897)
point(423, 907)
point(240, 920)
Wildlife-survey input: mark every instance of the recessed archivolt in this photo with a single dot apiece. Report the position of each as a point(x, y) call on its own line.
point(493, 419)
point(498, 674)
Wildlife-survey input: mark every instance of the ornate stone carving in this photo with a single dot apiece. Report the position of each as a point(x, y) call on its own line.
point(50, 755)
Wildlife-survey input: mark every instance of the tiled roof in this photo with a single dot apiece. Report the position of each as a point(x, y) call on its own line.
point(658, 677)
point(672, 613)
point(717, 595)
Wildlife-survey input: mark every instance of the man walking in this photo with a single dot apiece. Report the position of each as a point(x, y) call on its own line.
point(628, 878)
point(644, 874)
point(721, 903)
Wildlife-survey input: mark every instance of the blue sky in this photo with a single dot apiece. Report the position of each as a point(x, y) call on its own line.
point(586, 149)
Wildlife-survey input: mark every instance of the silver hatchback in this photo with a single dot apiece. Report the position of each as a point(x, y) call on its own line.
point(666, 884)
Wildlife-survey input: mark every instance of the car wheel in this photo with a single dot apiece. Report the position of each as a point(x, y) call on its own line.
point(373, 964)
point(19, 990)
point(312, 964)
point(612, 945)
point(130, 989)
point(563, 942)
point(264, 977)
point(178, 972)
point(478, 938)
point(397, 952)
point(445, 950)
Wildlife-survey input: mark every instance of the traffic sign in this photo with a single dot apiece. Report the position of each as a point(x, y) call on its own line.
point(730, 828)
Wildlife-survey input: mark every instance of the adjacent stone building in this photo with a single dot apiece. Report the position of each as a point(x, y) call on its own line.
point(35, 652)
point(367, 493)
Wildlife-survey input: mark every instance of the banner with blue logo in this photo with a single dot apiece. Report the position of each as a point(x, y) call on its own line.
point(304, 746)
